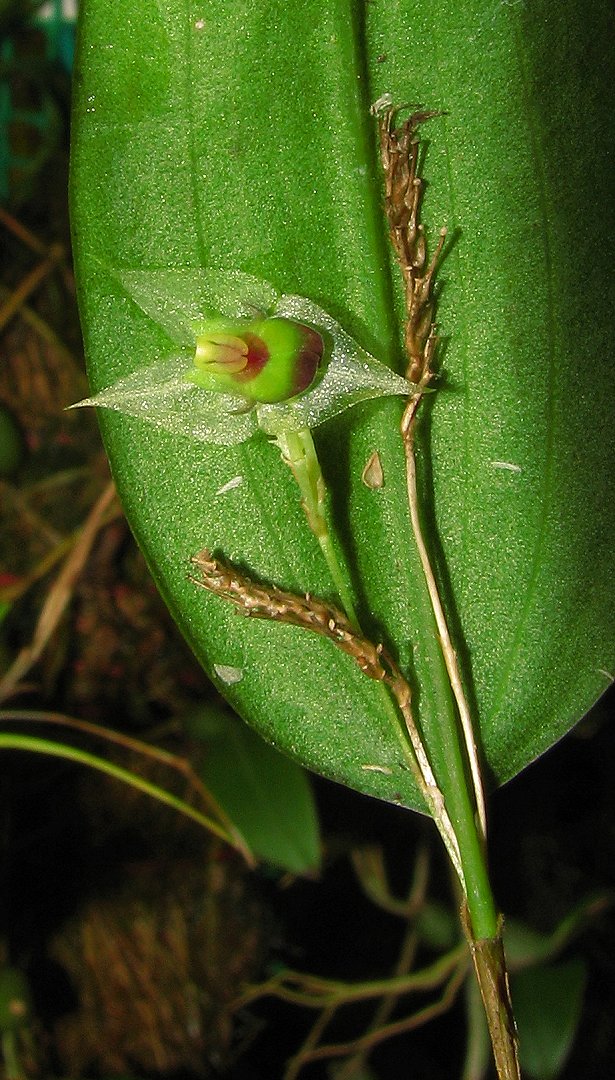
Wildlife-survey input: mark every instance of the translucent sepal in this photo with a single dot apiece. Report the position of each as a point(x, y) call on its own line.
point(161, 394)
point(182, 301)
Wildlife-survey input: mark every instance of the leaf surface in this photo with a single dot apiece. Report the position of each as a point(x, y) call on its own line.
point(266, 795)
point(238, 135)
point(548, 1001)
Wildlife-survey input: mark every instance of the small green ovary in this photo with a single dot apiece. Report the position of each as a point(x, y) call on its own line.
point(269, 360)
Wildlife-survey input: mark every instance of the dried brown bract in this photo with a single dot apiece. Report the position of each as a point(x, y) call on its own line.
point(269, 602)
point(280, 606)
point(399, 149)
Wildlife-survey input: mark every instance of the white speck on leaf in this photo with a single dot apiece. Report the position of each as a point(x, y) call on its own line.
point(508, 465)
point(378, 768)
point(227, 674)
point(230, 485)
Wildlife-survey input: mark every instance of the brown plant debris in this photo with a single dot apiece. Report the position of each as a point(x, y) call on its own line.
point(269, 602)
point(399, 149)
point(156, 966)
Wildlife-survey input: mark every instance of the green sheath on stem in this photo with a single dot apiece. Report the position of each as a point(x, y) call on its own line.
point(299, 453)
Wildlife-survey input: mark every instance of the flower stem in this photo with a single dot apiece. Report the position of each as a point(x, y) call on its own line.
point(299, 452)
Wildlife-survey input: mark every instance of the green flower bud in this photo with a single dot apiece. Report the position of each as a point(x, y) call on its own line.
point(269, 360)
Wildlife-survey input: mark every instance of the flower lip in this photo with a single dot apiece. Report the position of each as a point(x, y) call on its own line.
point(256, 356)
point(220, 352)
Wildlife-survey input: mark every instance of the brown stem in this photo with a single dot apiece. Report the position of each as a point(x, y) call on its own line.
point(492, 978)
point(29, 283)
point(59, 595)
point(365, 1043)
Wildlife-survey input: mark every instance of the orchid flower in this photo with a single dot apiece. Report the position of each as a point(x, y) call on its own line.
point(235, 343)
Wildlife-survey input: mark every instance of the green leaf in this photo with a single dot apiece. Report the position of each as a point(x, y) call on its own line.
point(240, 137)
point(527, 947)
point(547, 1002)
point(266, 795)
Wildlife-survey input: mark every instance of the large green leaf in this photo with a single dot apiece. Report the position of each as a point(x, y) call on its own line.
point(237, 134)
